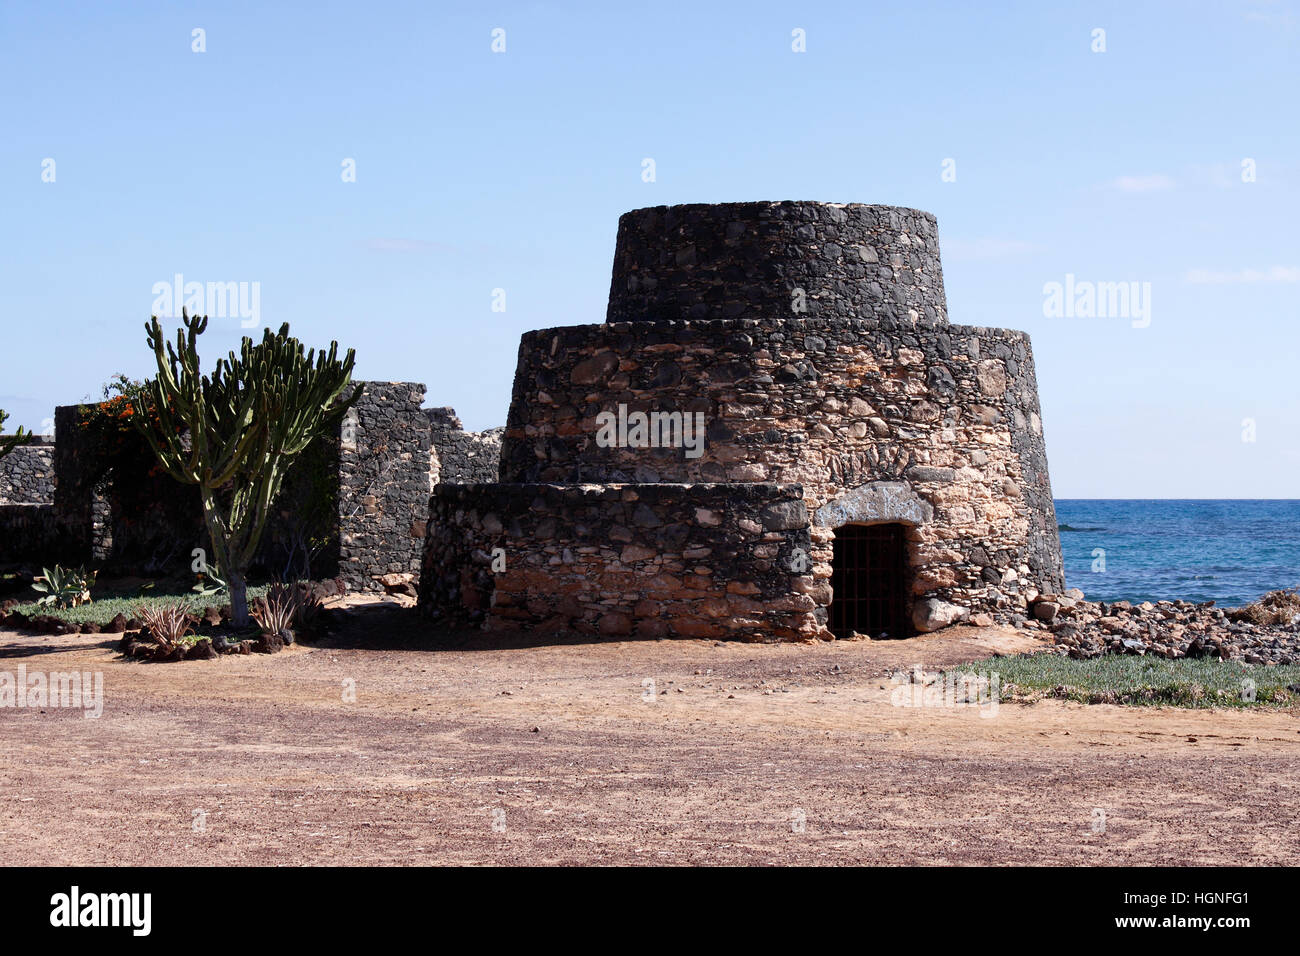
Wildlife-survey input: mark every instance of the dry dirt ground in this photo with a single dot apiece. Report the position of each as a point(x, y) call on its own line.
point(463, 752)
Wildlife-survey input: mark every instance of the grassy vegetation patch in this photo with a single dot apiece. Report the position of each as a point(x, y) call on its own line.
point(109, 601)
point(1142, 681)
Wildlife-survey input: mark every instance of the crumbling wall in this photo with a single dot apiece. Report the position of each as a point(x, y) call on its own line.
point(354, 503)
point(462, 457)
point(28, 534)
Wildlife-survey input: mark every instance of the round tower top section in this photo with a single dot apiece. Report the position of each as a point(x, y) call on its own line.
point(766, 260)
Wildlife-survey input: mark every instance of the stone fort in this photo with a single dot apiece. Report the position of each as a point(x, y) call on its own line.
point(775, 434)
point(865, 466)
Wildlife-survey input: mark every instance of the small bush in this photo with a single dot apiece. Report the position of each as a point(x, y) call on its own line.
point(65, 587)
point(1275, 607)
point(309, 609)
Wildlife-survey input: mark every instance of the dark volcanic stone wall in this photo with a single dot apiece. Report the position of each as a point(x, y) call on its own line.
point(462, 457)
point(28, 535)
point(384, 464)
point(27, 474)
point(745, 260)
point(622, 560)
point(114, 507)
point(358, 499)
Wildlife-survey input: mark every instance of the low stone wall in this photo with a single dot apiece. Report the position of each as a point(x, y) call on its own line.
point(462, 457)
point(27, 474)
point(659, 560)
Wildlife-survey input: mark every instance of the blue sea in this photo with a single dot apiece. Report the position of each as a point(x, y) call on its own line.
point(1230, 552)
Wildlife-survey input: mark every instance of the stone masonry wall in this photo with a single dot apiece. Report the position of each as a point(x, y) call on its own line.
point(114, 508)
point(652, 561)
point(27, 474)
point(829, 404)
point(462, 457)
point(809, 345)
point(745, 260)
point(384, 474)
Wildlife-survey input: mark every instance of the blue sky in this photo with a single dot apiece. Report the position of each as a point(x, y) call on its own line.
point(478, 170)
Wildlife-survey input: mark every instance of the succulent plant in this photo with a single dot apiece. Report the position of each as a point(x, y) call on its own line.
point(235, 431)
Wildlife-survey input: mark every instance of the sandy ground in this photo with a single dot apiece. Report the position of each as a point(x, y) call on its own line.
point(465, 752)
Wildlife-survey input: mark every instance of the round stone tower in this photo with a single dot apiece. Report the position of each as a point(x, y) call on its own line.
point(752, 260)
point(775, 434)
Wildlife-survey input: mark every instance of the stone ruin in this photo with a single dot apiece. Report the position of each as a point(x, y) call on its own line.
point(775, 434)
point(358, 498)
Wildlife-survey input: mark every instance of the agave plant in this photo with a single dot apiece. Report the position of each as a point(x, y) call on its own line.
point(276, 611)
point(308, 609)
point(213, 584)
point(65, 587)
point(168, 623)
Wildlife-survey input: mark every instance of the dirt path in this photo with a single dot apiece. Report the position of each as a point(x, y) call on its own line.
point(573, 758)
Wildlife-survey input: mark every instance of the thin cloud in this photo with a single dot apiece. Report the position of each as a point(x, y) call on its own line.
point(1273, 274)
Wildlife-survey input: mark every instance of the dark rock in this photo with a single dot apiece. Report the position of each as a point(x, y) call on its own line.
point(202, 650)
point(268, 644)
point(784, 516)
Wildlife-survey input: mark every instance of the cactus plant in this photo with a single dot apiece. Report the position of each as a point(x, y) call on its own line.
point(235, 431)
point(9, 442)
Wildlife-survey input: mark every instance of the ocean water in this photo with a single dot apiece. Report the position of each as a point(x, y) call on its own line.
point(1230, 552)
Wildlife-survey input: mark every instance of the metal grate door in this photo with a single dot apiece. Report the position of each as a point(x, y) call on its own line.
point(869, 581)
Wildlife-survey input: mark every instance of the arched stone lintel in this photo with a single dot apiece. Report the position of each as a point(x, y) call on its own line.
point(875, 502)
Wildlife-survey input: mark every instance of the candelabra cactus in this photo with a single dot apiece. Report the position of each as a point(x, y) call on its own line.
point(9, 442)
point(236, 431)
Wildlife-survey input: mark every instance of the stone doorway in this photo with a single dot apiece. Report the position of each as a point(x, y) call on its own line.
point(869, 585)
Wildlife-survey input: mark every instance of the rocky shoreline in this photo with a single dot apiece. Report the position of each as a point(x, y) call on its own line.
point(1265, 632)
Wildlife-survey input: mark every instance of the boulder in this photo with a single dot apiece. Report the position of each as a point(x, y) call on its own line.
point(268, 644)
point(202, 650)
point(399, 583)
point(1046, 611)
point(932, 614)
